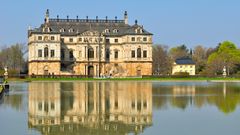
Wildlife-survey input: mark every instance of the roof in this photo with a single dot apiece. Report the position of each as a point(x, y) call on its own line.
point(184, 61)
point(72, 27)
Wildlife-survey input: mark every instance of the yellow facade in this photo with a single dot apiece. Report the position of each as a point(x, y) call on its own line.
point(100, 48)
point(188, 68)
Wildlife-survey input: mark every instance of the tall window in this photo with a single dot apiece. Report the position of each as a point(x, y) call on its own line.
point(46, 52)
point(71, 54)
point(62, 53)
point(139, 53)
point(52, 53)
point(90, 53)
point(107, 53)
point(116, 40)
point(144, 54)
point(116, 54)
point(39, 53)
point(133, 54)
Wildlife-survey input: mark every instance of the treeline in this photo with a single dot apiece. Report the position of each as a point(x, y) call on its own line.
point(13, 58)
point(209, 61)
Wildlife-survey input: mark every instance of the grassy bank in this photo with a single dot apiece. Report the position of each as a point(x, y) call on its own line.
point(125, 79)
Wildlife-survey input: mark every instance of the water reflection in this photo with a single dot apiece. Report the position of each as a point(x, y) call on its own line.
point(225, 96)
point(90, 107)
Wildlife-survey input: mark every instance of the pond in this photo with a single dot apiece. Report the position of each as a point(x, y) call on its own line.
point(121, 107)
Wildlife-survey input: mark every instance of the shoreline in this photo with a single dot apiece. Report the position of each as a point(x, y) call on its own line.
point(11, 80)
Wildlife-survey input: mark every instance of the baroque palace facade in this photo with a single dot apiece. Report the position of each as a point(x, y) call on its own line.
point(93, 47)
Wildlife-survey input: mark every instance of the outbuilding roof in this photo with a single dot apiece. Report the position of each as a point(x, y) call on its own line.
point(184, 61)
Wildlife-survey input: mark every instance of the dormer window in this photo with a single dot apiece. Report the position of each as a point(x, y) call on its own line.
point(115, 31)
point(62, 30)
point(71, 30)
point(139, 30)
point(107, 31)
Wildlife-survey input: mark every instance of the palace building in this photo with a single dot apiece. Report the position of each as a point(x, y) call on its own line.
point(91, 47)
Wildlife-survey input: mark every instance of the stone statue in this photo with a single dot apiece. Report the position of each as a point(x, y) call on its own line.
point(224, 71)
point(6, 72)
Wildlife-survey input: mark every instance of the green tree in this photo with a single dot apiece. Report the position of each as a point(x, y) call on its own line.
point(226, 55)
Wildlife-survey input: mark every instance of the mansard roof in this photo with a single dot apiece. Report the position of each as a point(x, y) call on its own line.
point(71, 27)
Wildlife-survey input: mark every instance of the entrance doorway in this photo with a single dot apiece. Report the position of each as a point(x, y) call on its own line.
point(90, 71)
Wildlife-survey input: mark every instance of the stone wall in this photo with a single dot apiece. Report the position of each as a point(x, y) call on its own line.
point(38, 68)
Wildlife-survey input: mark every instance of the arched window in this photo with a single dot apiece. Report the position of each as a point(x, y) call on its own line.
point(71, 30)
point(46, 52)
point(90, 53)
point(139, 53)
point(115, 31)
point(107, 31)
point(62, 30)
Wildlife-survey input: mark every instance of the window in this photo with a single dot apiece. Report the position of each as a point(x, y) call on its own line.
point(144, 54)
point(133, 54)
point(107, 31)
point(70, 39)
point(180, 66)
point(133, 38)
point(107, 41)
point(116, 40)
point(39, 53)
point(62, 30)
point(62, 39)
point(52, 53)
point(90, 53)
point(190, 66)
point(145, 39)
point(71, 54)
point(52, 106)
point(116, 54)
point(62, 53)
point(71, 30)
point(46, 52)
point(39, 106)
point(139, 53)
point(52, 38)
point(115, 31)
point(80, 39)
point(80, 54)
point(39, 37)
point(107, 53)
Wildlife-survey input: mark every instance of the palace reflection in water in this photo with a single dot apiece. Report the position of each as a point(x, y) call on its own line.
point(90, 107)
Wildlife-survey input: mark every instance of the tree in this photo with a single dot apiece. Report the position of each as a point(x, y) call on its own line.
point(161, 61)
point(178, 52)
point(226, 55)
point(13, 57)
point(200, 58)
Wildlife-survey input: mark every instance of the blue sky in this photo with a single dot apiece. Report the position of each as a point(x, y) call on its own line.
point(173, 22)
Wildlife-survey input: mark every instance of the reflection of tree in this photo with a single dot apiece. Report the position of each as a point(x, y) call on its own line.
point(15, 101)
point(181, 96)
